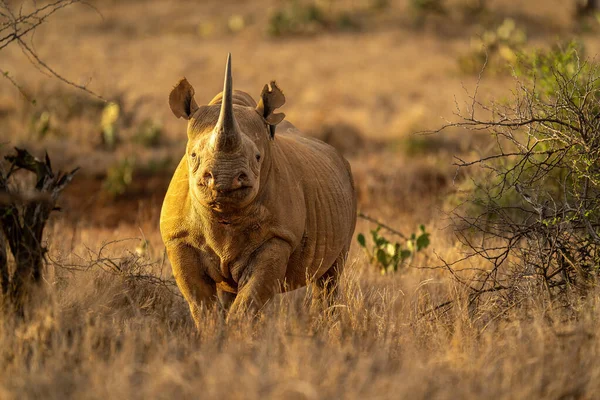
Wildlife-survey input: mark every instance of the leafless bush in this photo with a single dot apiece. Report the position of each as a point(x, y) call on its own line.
point(17, 26)
point(531, 218)
point(134, 267)
point(23, 216)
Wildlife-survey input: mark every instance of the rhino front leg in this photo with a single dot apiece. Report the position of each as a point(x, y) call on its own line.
point(263, 278)
point(198, 289)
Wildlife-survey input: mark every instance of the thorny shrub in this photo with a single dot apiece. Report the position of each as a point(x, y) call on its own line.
point(531, 219)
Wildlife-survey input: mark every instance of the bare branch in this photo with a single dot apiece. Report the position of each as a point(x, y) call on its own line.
point(19, 25)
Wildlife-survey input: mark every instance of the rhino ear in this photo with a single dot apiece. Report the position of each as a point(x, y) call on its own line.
point(271, 98)
point(181, 100)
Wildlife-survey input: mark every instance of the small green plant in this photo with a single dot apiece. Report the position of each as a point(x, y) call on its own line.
point(390, 256)
point(119, 177)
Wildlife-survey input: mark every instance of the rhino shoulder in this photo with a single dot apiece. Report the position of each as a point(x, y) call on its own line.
point(174, 214)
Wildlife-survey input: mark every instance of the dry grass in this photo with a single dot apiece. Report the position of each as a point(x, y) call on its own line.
point(102, 334)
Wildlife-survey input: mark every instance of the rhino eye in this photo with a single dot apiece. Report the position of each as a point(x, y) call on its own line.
point(258, 157)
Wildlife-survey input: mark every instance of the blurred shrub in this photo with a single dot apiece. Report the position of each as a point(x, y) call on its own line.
point(298, 17)
point(389, 255)
point(52, 111)
point(236, 23)
point(206, 29)
point(473, 8)
point(149, 133)
point(41, 124)
point(119, 177)
point(585, 8)
point(379, 5)
point(108, 124)
point(158, 165)
point(498, 47)
point(428, 6)
point(415, 145)
point(456, 14)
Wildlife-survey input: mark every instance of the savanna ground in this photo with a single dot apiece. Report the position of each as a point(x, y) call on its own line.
point(109, 329)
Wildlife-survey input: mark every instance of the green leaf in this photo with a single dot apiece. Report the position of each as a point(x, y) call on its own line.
point(382, 257)
point(375, 234)
point(404, 254)
point(381, 241)
point(361, 240)
point(422, 241)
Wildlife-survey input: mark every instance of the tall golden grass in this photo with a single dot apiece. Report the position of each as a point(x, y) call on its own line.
point(101, 334)
point(104, 333)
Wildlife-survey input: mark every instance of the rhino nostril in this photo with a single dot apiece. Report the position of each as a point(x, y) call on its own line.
point(242, 177)
point(207, 179)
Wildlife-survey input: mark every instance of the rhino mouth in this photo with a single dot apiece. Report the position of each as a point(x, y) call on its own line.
point(219, 198)
point(229, 191)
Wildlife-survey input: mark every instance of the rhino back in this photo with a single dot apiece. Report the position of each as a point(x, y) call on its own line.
point(326, 194)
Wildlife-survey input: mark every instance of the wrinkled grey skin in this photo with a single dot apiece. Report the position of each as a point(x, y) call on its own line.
point(250, 213)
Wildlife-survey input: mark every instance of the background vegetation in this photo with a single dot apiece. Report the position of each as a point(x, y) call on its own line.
point(473, 136)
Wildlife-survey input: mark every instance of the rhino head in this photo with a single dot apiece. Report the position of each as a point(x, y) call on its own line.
point(228, 149)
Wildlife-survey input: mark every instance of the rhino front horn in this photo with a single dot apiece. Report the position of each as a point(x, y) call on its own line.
point(227, 132)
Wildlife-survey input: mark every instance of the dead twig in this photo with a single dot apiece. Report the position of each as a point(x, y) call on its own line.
point(384, 226)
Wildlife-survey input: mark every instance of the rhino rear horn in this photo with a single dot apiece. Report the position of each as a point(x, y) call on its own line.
point(181, 100)
point(271, 98)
